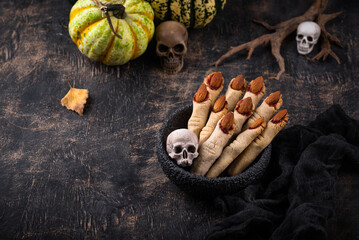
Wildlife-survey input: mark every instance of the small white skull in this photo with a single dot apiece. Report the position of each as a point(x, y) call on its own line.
point(182, 146)
point(307, 36)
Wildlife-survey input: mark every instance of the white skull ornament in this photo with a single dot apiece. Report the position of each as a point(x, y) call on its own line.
point(307, 36)
point(182, 146)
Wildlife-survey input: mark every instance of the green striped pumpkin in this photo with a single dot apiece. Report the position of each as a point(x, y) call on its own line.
point(91, 32)
point(191, 13)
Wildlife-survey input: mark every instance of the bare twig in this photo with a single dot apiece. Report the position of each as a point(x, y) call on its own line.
point(327, 38)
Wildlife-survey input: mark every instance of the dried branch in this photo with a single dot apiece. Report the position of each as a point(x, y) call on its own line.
point(282, 30)
point(326, 38)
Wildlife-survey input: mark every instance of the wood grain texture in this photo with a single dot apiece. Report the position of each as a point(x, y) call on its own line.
point(97, 177)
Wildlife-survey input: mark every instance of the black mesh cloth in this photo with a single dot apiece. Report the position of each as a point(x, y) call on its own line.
point(294, 199)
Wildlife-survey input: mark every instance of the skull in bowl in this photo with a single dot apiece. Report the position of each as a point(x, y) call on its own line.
point(307, 36)
point(171, 37)
point(182, 146)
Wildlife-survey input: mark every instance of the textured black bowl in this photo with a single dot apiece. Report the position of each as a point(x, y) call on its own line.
point(197, 185)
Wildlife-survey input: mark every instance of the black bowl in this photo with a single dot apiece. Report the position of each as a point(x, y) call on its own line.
point(197, 185)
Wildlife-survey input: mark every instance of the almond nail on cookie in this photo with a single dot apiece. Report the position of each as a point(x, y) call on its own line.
point(242, 112)
point(255, 90)
point(213, 147)
point(236, 147)
point(220, 108)
point(268, 107)
point(214, 83)
point(235, 90)
point(200, 110)
point(274, 126)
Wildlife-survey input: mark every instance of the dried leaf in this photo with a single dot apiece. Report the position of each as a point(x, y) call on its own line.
point(75, 100)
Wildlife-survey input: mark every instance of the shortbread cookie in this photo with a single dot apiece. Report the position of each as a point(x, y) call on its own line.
point(213, 147)
point(214, 83)
point(261, 142)
point(236, 147)
point(200, 111)
point(220, 108)
point(268, 107)
point(255, 90)
point(242, 112)
point(235, 90)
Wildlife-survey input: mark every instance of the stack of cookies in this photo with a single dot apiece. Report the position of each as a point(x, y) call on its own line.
point(232, 131)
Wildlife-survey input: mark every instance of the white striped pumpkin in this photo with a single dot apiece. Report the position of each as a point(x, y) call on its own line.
point(91, 32)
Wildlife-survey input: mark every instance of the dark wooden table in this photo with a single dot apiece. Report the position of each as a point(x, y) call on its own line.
point(63, 176)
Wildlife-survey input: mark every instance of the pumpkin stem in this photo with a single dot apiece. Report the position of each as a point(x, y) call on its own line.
point(117, 9)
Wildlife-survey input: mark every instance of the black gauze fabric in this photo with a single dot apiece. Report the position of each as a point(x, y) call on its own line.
point(294, 199)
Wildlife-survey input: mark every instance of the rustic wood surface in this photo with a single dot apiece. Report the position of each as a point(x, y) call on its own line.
point(63, 176)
